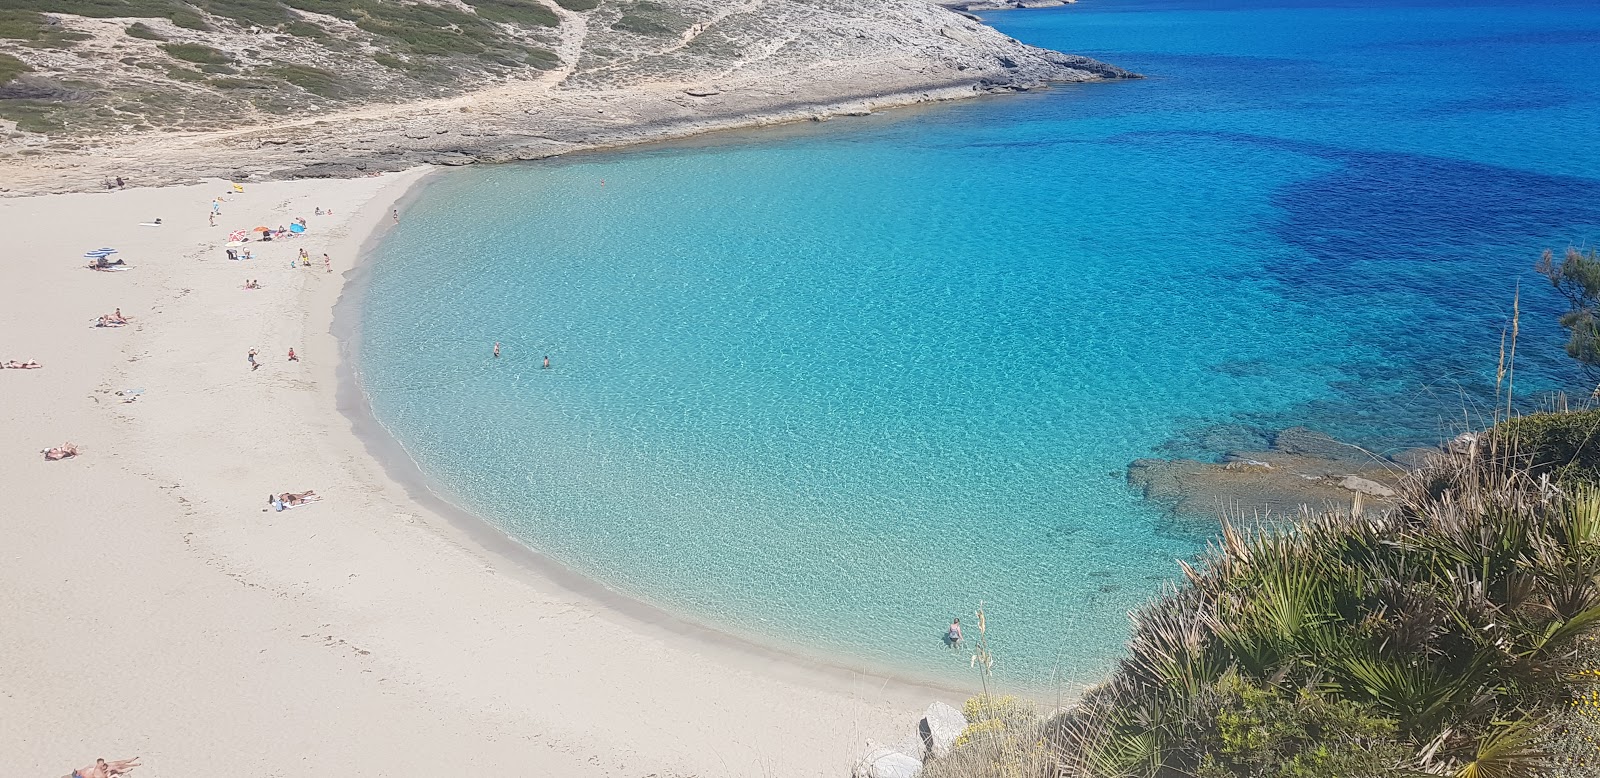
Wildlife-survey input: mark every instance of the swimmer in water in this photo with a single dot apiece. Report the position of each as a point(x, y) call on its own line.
point(547, 363)
point(497, 349)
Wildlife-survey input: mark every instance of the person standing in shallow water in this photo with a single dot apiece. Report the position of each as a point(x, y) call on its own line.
point(952, 637)
point(547, 362)
point(497, 349)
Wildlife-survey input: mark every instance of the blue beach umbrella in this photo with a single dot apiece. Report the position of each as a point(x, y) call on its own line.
point(99, 253)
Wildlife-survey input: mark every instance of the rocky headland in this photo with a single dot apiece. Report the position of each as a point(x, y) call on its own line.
point(169, 91)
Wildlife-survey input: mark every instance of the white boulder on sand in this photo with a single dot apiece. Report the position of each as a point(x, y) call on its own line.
point(881, 762)
point(940, 727)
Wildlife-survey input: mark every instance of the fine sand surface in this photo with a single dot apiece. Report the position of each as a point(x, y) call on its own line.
point(150, 606)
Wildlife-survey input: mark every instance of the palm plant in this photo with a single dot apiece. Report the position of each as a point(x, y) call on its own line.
point(1455, 618)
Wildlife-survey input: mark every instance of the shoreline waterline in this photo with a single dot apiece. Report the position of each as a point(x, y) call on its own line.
point(759, 653)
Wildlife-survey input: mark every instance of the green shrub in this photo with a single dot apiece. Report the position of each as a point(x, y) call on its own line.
point(648, 18)
point(143, 31)
point(99, 9)
point(261, 13)
point(1273, 734)
point(314, 80)
point(184, 74)
point(390, 61)
point(301, 28)
point(189, 20)
point(32, 115)
point(196, 53)
point(349, 11)
point(1441, 634)
point(239, 83)
point(543, 59)
point(526, 12)
point(1565, 445)
point(11, 67)
point(579, 5)
point(21, 25)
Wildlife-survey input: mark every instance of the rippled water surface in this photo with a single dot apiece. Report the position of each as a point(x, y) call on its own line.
point(831, 385)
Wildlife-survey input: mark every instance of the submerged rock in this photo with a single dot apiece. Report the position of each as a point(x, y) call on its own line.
point(1301, 469)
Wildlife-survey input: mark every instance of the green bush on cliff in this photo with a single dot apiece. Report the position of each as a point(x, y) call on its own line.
point(144, 32)
point(197, 53)
point(526, 12)
point(1577, 278)
point(10, 68)
point(21, 25)
point(1456, 634)
point(1564, 445)
point(1262, 732)
point(314, 80)
point(648, 18)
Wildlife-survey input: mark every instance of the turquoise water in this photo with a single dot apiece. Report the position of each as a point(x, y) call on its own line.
point(831, 385)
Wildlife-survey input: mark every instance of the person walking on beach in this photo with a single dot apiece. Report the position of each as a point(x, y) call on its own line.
point(292, 357)
point(327, 263)
point(212, 217)
point(251, 358)
point(397, 216)
point(952, 636)
point(497, 349)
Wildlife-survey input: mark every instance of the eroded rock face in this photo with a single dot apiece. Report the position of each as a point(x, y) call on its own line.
point(1301, 469)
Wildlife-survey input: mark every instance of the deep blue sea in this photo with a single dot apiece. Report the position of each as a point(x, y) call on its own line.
point(831, 385)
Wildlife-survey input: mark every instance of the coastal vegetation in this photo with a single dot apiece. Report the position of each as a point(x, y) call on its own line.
point(1577, 278)
point(1456, 633)
point(82, 66)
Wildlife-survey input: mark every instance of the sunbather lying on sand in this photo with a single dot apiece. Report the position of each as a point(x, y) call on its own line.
point(107, 321)
point(28, 365)
point(103, 769)
point(291, 499)
point(63, 451)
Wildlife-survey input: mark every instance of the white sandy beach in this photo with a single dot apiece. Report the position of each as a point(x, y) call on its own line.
point(151, 606)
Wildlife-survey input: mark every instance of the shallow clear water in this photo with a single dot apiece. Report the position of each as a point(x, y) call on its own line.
point(831, 385)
